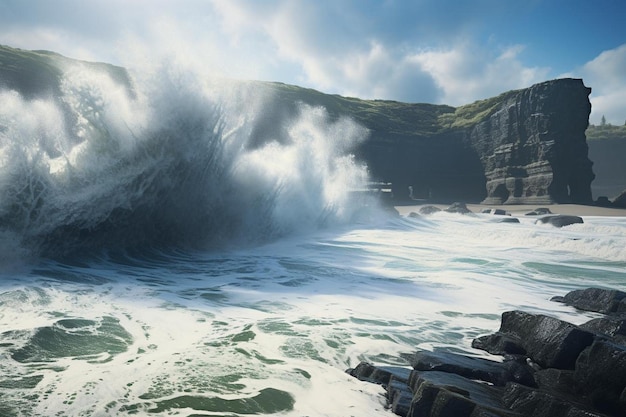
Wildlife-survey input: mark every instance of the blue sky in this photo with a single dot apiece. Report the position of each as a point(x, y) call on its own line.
point(434, 51)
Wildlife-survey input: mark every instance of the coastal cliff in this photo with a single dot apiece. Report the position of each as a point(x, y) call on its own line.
point(533, 147)
point(522, 147)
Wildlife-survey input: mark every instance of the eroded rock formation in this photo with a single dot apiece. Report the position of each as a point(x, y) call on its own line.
point(533, 147)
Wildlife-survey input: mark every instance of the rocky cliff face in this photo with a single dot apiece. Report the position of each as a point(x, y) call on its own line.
point(533, 147)
point(525, 146)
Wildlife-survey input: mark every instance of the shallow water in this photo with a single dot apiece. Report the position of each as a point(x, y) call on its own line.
point(271, 329)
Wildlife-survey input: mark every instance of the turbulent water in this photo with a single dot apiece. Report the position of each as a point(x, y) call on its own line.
point(156, 258)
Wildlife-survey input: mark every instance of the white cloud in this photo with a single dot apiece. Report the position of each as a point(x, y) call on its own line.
point(467, 73)
point(605, 74)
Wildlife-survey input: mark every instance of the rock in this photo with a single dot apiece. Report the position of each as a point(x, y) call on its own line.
point(600, 376)
point(426, 210)
point(597, 299)
point(559, 220)
point(523, 143)
point(539, 211)
point(378, 374)
point(538, 403)
point(603, 202)
point(610, 327)
point(414, 215)
point(442, 394)
point(496, 373)
point(457, 207)
point(497, 212)
point(548, 341)
point(507, 220)
point(550, 368)
point(555, 380)
point(399, 396)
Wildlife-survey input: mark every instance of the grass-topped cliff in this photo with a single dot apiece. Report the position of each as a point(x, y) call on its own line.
point(33, 72)
point(441, 151)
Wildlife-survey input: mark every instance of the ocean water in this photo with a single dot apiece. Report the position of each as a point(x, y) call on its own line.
point(156, 259)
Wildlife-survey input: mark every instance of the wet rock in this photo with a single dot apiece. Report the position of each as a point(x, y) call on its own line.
point(496, 212)
point(538, 403)
point(426, 210)
point(611, 327)
point(596, 299)
point(550, 368)
point(378, 374)
point(550, 342)
point(600, 376)
point(559, 220)
point(555, 380)
point(507, 220)
point(457, 207)
point(442, 394)
point(497, 373)
point(539, 211)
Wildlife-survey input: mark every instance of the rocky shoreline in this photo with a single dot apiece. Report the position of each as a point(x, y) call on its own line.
point(548, 368)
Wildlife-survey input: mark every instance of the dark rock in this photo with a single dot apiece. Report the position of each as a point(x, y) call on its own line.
point(378, 374)
point(611, 327)
point(550, 342)
point(507, 220)
point(457, 207)
point(414, 215)
point(496, 373)
point(499, 344)
point(559, 220)
point(539, 211)
point(442, 394)
point(596, 299)
point(426, 210)
point(399, 396)
point(497, 212)
point(603, 202)
point(556, 380)
point(600, 376)
point(538, 403)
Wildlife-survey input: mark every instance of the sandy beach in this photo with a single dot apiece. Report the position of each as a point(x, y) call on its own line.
point(521, 210)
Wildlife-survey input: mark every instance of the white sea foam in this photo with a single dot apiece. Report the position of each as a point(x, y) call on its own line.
point(294, 314)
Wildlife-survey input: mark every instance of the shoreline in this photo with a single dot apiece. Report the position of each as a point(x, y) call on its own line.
point(520, 210)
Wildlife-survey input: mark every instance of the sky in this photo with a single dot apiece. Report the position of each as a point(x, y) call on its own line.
point(422, 51)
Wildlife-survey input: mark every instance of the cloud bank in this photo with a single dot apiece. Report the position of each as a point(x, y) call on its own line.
point(407, 51)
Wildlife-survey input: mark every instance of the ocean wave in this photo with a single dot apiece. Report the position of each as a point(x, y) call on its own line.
point(173, 159)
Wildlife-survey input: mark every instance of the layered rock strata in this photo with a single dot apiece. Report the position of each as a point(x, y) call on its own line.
point(549, 368)
point(533, 146)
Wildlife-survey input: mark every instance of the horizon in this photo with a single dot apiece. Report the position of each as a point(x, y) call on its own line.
point(417, 52)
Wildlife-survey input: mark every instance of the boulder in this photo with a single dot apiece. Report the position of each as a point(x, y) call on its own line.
point(499, 343)
point(457, 207)
point(596, 299)
point(548, 341)
point(426, 210)
point(538, 403)
point(497, 373)
point(610, 327)
point(442, 394)
point(600, 376)
point(378, 374)
point(559, 220)
point(539, 211)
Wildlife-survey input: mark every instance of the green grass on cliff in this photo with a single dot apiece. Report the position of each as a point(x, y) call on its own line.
point(606, 132)
point(32, 72)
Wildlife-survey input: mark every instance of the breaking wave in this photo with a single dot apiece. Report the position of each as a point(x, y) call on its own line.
point(170, 159)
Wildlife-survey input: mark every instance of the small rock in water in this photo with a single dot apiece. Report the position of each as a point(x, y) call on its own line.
point(559, 220)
